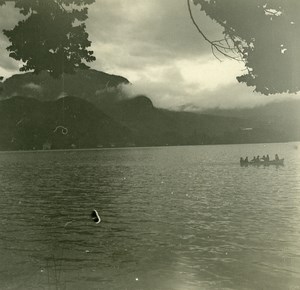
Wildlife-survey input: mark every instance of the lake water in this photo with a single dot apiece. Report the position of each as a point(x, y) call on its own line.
point(179, 218)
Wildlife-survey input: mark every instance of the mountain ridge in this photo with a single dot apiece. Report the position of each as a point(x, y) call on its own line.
point(129, 121)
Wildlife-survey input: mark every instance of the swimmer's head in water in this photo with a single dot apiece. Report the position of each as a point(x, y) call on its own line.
point(95, 216)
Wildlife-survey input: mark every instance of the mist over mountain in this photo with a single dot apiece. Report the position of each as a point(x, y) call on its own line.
point(101, 115)
point(90, 85)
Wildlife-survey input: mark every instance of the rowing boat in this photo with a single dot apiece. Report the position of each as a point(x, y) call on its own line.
point(279, 162)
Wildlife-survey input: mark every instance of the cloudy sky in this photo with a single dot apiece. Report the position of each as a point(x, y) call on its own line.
point(154, 44)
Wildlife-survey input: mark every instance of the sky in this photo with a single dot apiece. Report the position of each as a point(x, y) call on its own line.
point(154, 44)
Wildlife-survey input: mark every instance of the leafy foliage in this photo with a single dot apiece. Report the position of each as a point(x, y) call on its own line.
point(264, 34)
point(52, 37)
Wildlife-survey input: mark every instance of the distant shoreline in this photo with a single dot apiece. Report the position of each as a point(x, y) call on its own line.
point(137, 147)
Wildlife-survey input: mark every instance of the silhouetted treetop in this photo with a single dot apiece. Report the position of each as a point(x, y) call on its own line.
point(264, 34)
point(52, 36)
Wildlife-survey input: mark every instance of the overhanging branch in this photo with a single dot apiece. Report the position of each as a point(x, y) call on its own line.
point(221, 46)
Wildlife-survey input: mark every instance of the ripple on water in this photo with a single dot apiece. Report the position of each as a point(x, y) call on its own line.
point(172, 218)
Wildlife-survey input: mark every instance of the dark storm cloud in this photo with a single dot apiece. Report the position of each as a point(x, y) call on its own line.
point(8, 16)
point(149, 31)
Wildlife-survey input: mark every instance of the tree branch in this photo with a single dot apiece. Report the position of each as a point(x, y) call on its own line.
point(217, 44)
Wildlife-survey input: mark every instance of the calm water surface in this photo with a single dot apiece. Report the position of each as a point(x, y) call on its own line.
point(172, 218)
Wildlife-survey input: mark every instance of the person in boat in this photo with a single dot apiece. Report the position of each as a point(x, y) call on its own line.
point(264, 158)
point(268, 157)
point(257, 158)
point(242, 160)
point(253, 159)
point(246, 159)
point(276, 157)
